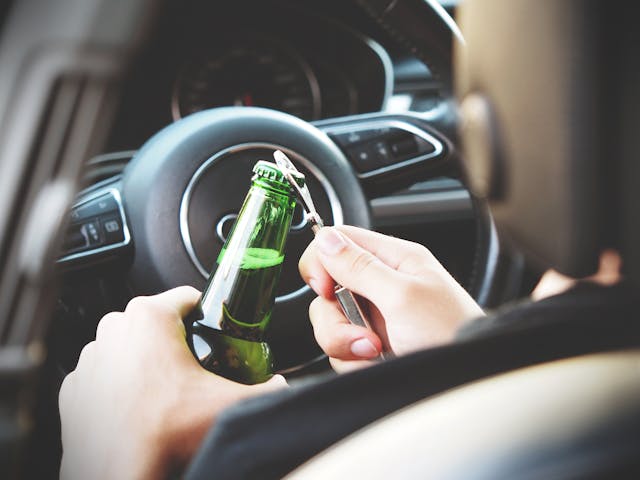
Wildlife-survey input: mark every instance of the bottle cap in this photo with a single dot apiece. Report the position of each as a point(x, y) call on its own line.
point(269, 170)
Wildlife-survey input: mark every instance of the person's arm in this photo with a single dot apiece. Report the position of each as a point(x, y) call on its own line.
point(555, 283)
point(413, 302)
point(138, 403)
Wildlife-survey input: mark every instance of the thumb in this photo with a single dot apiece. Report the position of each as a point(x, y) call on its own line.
point(276, 382)
point(352, 266)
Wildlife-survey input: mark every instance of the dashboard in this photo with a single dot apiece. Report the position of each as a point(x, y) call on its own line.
point(314, 60)
point(266, 70)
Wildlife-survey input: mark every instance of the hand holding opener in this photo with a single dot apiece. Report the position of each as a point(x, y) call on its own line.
point(346, 298)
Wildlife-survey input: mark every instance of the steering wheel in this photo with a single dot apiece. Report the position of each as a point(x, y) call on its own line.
point(176, 200)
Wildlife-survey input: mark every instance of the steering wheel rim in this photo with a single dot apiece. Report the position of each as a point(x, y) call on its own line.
point(170, 188)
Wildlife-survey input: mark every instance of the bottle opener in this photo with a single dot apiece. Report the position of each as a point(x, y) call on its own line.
point(347, 300)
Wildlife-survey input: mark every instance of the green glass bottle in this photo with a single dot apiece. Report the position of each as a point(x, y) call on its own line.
point(226, 329)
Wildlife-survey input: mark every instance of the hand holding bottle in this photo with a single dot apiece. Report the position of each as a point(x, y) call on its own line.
point(139, 403)
point(413, 302)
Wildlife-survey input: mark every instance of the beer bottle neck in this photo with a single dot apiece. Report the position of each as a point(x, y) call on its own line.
point(272, 186)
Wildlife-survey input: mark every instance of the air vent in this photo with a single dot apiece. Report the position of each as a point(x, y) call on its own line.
point(72, 123)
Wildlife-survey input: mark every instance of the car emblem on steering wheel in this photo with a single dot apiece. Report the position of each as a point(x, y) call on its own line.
point(223, 227)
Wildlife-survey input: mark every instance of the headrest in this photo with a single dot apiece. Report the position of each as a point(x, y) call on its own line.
point(550, 109)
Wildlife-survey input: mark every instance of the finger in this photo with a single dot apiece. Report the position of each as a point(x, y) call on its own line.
point(171, 306)
point(181, 299)
point(352, 266)
point(342, 366)
point(108, 323)
point(401, 255)
point(314, 274)
point(86, 355)
point(337, 337)
point(275, 383)
point(609, 269)
point(64, 394)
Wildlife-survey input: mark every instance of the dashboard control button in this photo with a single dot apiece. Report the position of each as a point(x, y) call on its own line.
point(104, 204)
point(373, 148)
point(74, 240)
point(404, 147)
point(112, 228)
point(385, 131)
point(424, 146)
point(91, 233)
point(383, 154)
point(378, 147)
point(349, 139)
point(364, 158)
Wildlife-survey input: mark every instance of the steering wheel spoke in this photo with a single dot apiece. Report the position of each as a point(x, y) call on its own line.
point(98, 229)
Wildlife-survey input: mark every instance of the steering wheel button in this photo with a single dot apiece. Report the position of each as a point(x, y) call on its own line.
point(74, 240)
point(112, 228)
point(104, 204)
point(91, 233)
point(384, 131)
point(349, 139)
point(424, 146)
point(382, 152)
point(353, 137)
point(363, 157)
point(404, 147)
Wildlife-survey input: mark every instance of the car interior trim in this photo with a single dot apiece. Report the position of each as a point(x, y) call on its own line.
point(112, 156)
point(432, 205)
point(378, 49)
point(329, 123)
point(387, 64)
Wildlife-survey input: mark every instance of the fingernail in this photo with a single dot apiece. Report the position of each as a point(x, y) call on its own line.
point(364, 348)
point(330, 241)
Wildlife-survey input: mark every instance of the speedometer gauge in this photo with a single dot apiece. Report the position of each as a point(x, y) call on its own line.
point(256, 72)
